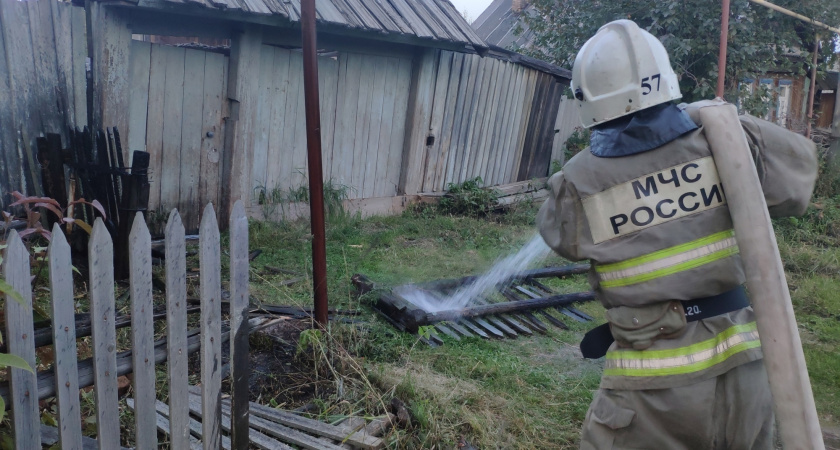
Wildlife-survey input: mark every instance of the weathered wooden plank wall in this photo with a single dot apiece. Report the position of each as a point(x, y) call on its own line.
point(568, 120)
point(491, 119)
point(176, 114)
point(42, 84)
point(363, 106)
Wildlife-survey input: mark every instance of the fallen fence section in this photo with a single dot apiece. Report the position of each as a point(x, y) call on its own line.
point(530, 304)
point(106, 364)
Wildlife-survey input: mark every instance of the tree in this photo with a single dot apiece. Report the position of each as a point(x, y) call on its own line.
point(760, 40)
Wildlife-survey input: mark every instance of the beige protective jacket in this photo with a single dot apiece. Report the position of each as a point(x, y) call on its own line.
point(656, 228)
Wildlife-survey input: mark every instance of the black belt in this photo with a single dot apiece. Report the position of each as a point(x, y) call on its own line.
point(596, 342)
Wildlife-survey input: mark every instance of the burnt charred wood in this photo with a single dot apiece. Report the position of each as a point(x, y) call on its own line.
point(451, 284)
point(135, 198)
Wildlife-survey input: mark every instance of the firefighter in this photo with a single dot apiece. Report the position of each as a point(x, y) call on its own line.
point(645, 205)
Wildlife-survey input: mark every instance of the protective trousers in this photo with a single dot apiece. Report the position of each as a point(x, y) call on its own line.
point(732, 411)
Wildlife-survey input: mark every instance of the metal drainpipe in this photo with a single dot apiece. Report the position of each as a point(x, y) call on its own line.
point(724, 41)
point(313, 144)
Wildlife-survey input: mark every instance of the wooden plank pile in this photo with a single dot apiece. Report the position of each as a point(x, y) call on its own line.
point(271, 428)
point(531, 307)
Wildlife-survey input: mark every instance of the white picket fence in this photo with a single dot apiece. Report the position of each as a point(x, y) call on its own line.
point(26, 388)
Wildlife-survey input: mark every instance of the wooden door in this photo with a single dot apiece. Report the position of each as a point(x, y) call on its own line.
point(177, 109)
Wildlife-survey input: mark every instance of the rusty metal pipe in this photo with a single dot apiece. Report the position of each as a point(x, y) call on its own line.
point(316, 173)
point(724, 41)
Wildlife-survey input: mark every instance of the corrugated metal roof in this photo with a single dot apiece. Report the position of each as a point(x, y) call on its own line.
point(828, 81)
point(435, 20)
point(496, 25)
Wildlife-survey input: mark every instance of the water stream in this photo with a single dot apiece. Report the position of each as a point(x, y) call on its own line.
point(533, 252)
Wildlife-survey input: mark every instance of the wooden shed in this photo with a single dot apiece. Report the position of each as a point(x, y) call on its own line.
point(411, 98)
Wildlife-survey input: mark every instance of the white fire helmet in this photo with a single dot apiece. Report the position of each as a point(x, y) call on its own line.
point(621, 70)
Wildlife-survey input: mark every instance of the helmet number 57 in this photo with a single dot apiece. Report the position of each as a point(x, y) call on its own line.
point(647, 85)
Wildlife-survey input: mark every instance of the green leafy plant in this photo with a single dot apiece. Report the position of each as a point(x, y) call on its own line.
point(9, 360)
point(468, 199)
point(334, 196)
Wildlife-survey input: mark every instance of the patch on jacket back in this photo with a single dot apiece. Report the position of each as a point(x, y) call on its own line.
point(655, 198)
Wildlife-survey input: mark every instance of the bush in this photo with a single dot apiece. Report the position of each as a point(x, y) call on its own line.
point(468, 199)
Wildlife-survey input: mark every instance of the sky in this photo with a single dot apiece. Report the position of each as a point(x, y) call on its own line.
point(474, 8)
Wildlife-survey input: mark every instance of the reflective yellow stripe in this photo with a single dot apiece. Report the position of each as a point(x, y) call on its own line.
point(668, 261)
point(683, 360)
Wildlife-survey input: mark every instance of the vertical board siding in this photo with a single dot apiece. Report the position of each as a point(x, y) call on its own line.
point(42, 84)
point(102, 312)
point(363, 102)
point(490, 121)
point(64, 341)
point(568, 120)
point(176, 110)
point(20, 335)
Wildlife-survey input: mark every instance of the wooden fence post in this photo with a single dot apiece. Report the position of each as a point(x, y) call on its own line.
point(102, 315)
point(211, 329)
point(239, 300)
point(20, 335)
point(142, 333)
point(176, 330)
point(64, 341)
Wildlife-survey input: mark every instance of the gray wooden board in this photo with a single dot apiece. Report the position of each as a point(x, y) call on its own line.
point(467, 90)
point(554, 321)
point(142, 333)
point(412, 19)
point(399, 128)
point(197, 428)
point(259, 159)
point(191, 134)
point(381, 184)
point(277, 158)
point(515, 324)
point(300, 155)
point(473, 111)
point(447, 331)
point(101, 260)
point(176, 326)
point(14, 22)
point(363, 117)
point(445, 137)
point(64, 340)
point(212, 137)
point(154, 122)
point(211, 327)
point(501, 325)
point(531, 85)
point(7, 135)
point(420, 103)
point(516, 129)
point(495, 332)
point(473, 327)
point(20, 342)
point(328, 85)
point(46, 71)
point(51, 436)
point(255, 436)
point(490, 109)
point(170, 175)
point(499, 89)
point(61, 23)
point(162, 421)
point(290, 130)
point(310, 426)
point(503, 121)
point(436, 120)
point(141, 53)
point(238, 306)
point(457, 327)
point(345, 133)
point(455, 149)
point(372, 150)
point(79, 55)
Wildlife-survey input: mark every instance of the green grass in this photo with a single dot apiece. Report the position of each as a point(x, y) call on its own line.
point(522, 393)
